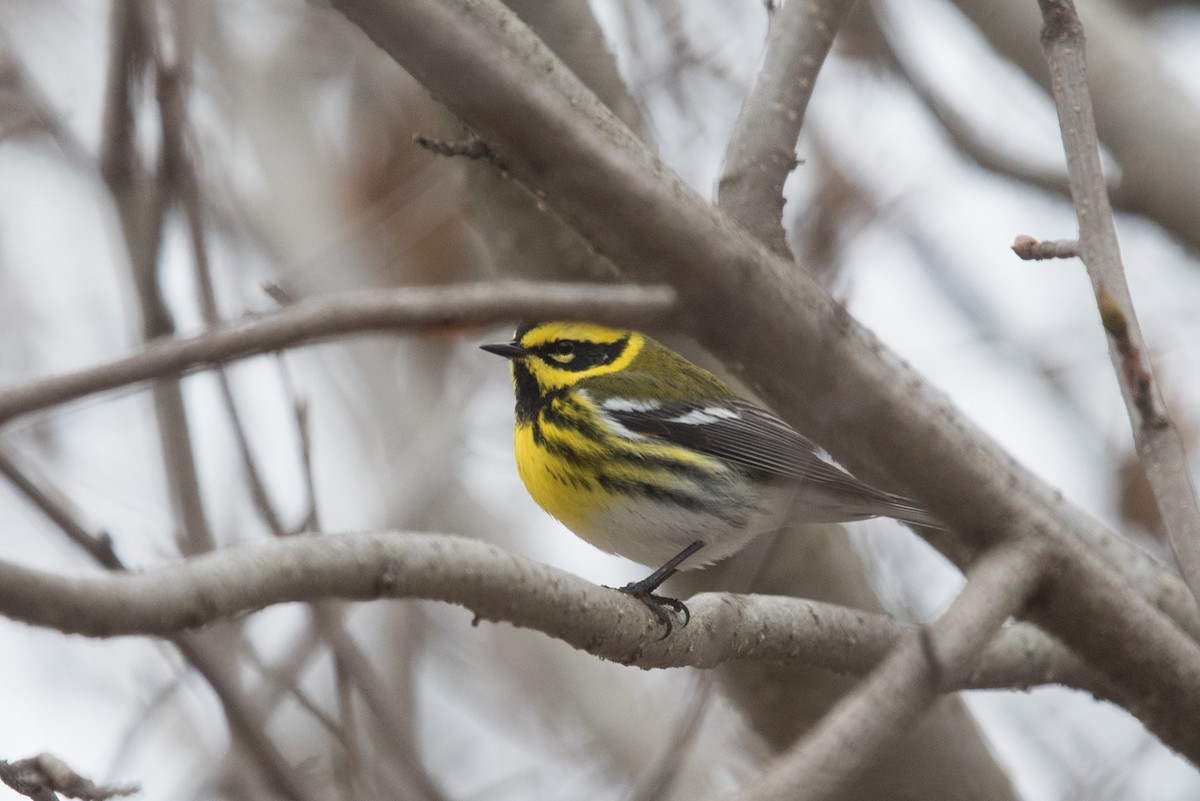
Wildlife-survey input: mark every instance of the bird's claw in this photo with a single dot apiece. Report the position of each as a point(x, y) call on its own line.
point(658, 605)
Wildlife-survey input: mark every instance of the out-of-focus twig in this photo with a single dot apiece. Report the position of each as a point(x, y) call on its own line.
point(658, 780)
point(1158, 441)
point(57, 508)
point(762, 150)
point(426, 309)
point(245, 718)
point(45, 776)
point(352, 667)
point(141, 197)
point(965, 136)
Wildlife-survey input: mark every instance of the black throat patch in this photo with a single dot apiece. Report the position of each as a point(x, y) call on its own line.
point(529, 396)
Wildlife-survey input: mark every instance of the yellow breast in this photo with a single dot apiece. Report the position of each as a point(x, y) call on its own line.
point(556, 485)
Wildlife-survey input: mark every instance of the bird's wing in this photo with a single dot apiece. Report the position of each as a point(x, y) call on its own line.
point(731, 429)
point(748, 435)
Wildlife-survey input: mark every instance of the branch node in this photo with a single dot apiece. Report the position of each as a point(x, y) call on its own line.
point(1059, 21)
point(1112, 317)
point(1133, 368)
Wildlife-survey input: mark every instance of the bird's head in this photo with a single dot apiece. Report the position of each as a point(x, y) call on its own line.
point(550, 358)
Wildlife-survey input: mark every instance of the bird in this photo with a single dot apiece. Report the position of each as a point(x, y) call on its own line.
point(644, 454)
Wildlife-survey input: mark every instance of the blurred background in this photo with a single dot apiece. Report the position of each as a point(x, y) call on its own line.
point(165, 166)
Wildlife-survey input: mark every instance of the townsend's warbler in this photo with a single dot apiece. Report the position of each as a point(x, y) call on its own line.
point(646, 455)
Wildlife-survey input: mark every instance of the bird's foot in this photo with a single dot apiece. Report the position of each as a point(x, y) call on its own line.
point(657, 604)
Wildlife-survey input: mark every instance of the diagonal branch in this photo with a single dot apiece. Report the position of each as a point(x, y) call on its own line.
point(762, 150)
point(416, 308)
point(1158, 442)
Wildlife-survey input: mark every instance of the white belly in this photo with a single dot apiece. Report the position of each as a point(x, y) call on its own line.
point(652, 533)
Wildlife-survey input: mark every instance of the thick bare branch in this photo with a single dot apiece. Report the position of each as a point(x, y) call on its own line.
point(495, 585)
point(1093, 613)
point(906, 683)
point(1158, 442)
point(762, 151)
point(416, 308)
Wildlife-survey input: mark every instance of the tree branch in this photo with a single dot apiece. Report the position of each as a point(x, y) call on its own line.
point(415, 308)
point(762, 150)
point(496, 585)
point(1158, 442)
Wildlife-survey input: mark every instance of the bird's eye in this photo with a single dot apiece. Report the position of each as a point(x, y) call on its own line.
point(564, 347)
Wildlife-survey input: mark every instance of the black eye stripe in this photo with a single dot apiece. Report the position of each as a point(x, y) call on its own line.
point(584, 354)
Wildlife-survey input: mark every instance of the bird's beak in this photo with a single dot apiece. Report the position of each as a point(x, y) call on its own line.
point(509, 350)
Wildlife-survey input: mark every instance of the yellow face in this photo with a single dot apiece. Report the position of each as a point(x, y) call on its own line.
point(561, 354)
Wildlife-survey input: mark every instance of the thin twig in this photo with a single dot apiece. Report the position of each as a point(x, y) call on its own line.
point(246, 721)
point(405, 756)
point(352, 758)
point(179, 161)
point(171, 410)
point(1159, 445)
point(57, 508)
point(1030, 249)
point(1147, 119)
point(420, 308)
point(926, 663)
point(657, 781)
point(762, 149)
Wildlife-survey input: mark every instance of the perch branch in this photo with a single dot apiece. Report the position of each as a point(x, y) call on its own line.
point(496, 585)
